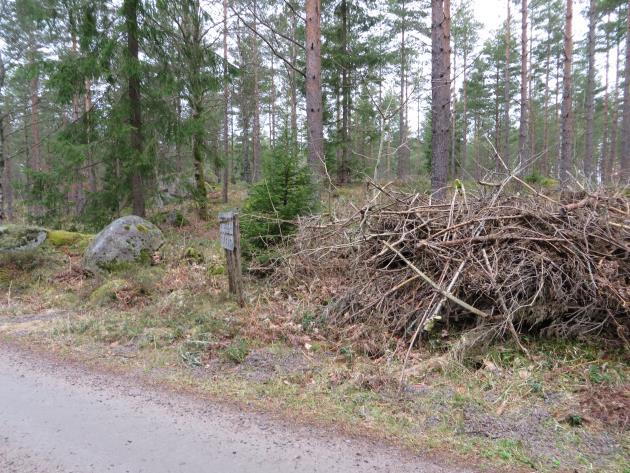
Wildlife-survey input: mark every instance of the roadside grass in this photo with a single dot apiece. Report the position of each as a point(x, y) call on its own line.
point(563, 408)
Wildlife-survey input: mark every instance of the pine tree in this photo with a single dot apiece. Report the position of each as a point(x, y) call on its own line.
point(566, 152)
point(441, 94)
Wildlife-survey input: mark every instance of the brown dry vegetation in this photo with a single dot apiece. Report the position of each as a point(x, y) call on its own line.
point(562, 406)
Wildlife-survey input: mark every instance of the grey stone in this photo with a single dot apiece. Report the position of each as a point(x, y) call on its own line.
point(20, 238)
point(126, 240)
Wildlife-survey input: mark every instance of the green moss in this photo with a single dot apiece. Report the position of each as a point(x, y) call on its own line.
point(106, 293)
point(115, 266)
point(127, 227)
point(216, 270)
point(142, 228)
point(193, 255)
point(65, 238)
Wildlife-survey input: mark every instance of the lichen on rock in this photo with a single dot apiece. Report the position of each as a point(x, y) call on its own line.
point(20, 238)
point(125, 241)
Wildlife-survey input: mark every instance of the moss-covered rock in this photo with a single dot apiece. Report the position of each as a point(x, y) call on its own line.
point(20, 238)
point(125, 241)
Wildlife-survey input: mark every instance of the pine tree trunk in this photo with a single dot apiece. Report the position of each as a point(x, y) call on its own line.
point(130, 9)
point(566, 150)
point(244, 112)
point(506, 89)
point(403, 152)
point(545, 167)
point(272, 118)
point(343, 170)
point(464, 159)
point(36, 159)
point(477, 150)
point(614, 121)
point(603, 161)
point(226, 104)
point(339, 129)
point(530, 100)
point(256, 125)
point(247, 175)
point(293, 87)
point(497, 162)
point(314, 107)
point(625, 141)
point(440, 93)
point(452, 169)
point(557, 114)
point(523, 156)
point(3, 213)
point(590, 92)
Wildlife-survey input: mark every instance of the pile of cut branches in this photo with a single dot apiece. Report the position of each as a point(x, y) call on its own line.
point(492, 265)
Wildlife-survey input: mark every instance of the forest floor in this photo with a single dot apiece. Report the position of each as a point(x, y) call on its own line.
point(565, 408)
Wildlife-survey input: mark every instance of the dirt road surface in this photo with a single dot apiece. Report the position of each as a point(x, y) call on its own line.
point(57, 418)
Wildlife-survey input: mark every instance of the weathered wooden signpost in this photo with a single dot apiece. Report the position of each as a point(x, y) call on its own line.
point(231, 242)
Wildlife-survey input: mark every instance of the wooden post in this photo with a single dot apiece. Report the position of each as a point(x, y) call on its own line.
point(231, 242)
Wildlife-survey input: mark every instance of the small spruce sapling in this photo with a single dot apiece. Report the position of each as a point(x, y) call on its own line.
point(285, 192)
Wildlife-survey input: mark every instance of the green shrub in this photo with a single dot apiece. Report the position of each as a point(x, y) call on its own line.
point(237, 351)
point(285, 192)
point(535, 178)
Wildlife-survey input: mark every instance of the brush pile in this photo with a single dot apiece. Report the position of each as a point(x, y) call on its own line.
point(493, 265)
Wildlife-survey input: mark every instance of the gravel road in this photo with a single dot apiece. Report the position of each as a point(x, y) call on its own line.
point(60, 418)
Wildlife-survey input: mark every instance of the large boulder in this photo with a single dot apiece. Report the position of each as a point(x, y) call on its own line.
point(20, 238)
point(126, 240)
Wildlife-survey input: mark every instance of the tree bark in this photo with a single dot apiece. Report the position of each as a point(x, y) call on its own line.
point(403, 151)
point(3, 213)
point(566, 150)
point(36, 145)
point(440, 93)
point(625, 140)
point(530, 100)
point(343, 168)
point(545, 167)
point(464, 159)
point(314, 107)
point(497, 128)
point(452, 170)
point(614, 121)
point(256, 124)
point(272, 118)
point(244, 111)
point(603, 161)
point(226, 104)
point(590, 91)
point(506, 89)
point(130, 9)
point(523, 149)
point(293, 86)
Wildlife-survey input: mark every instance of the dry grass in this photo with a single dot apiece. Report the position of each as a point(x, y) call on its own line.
point(501, 410)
